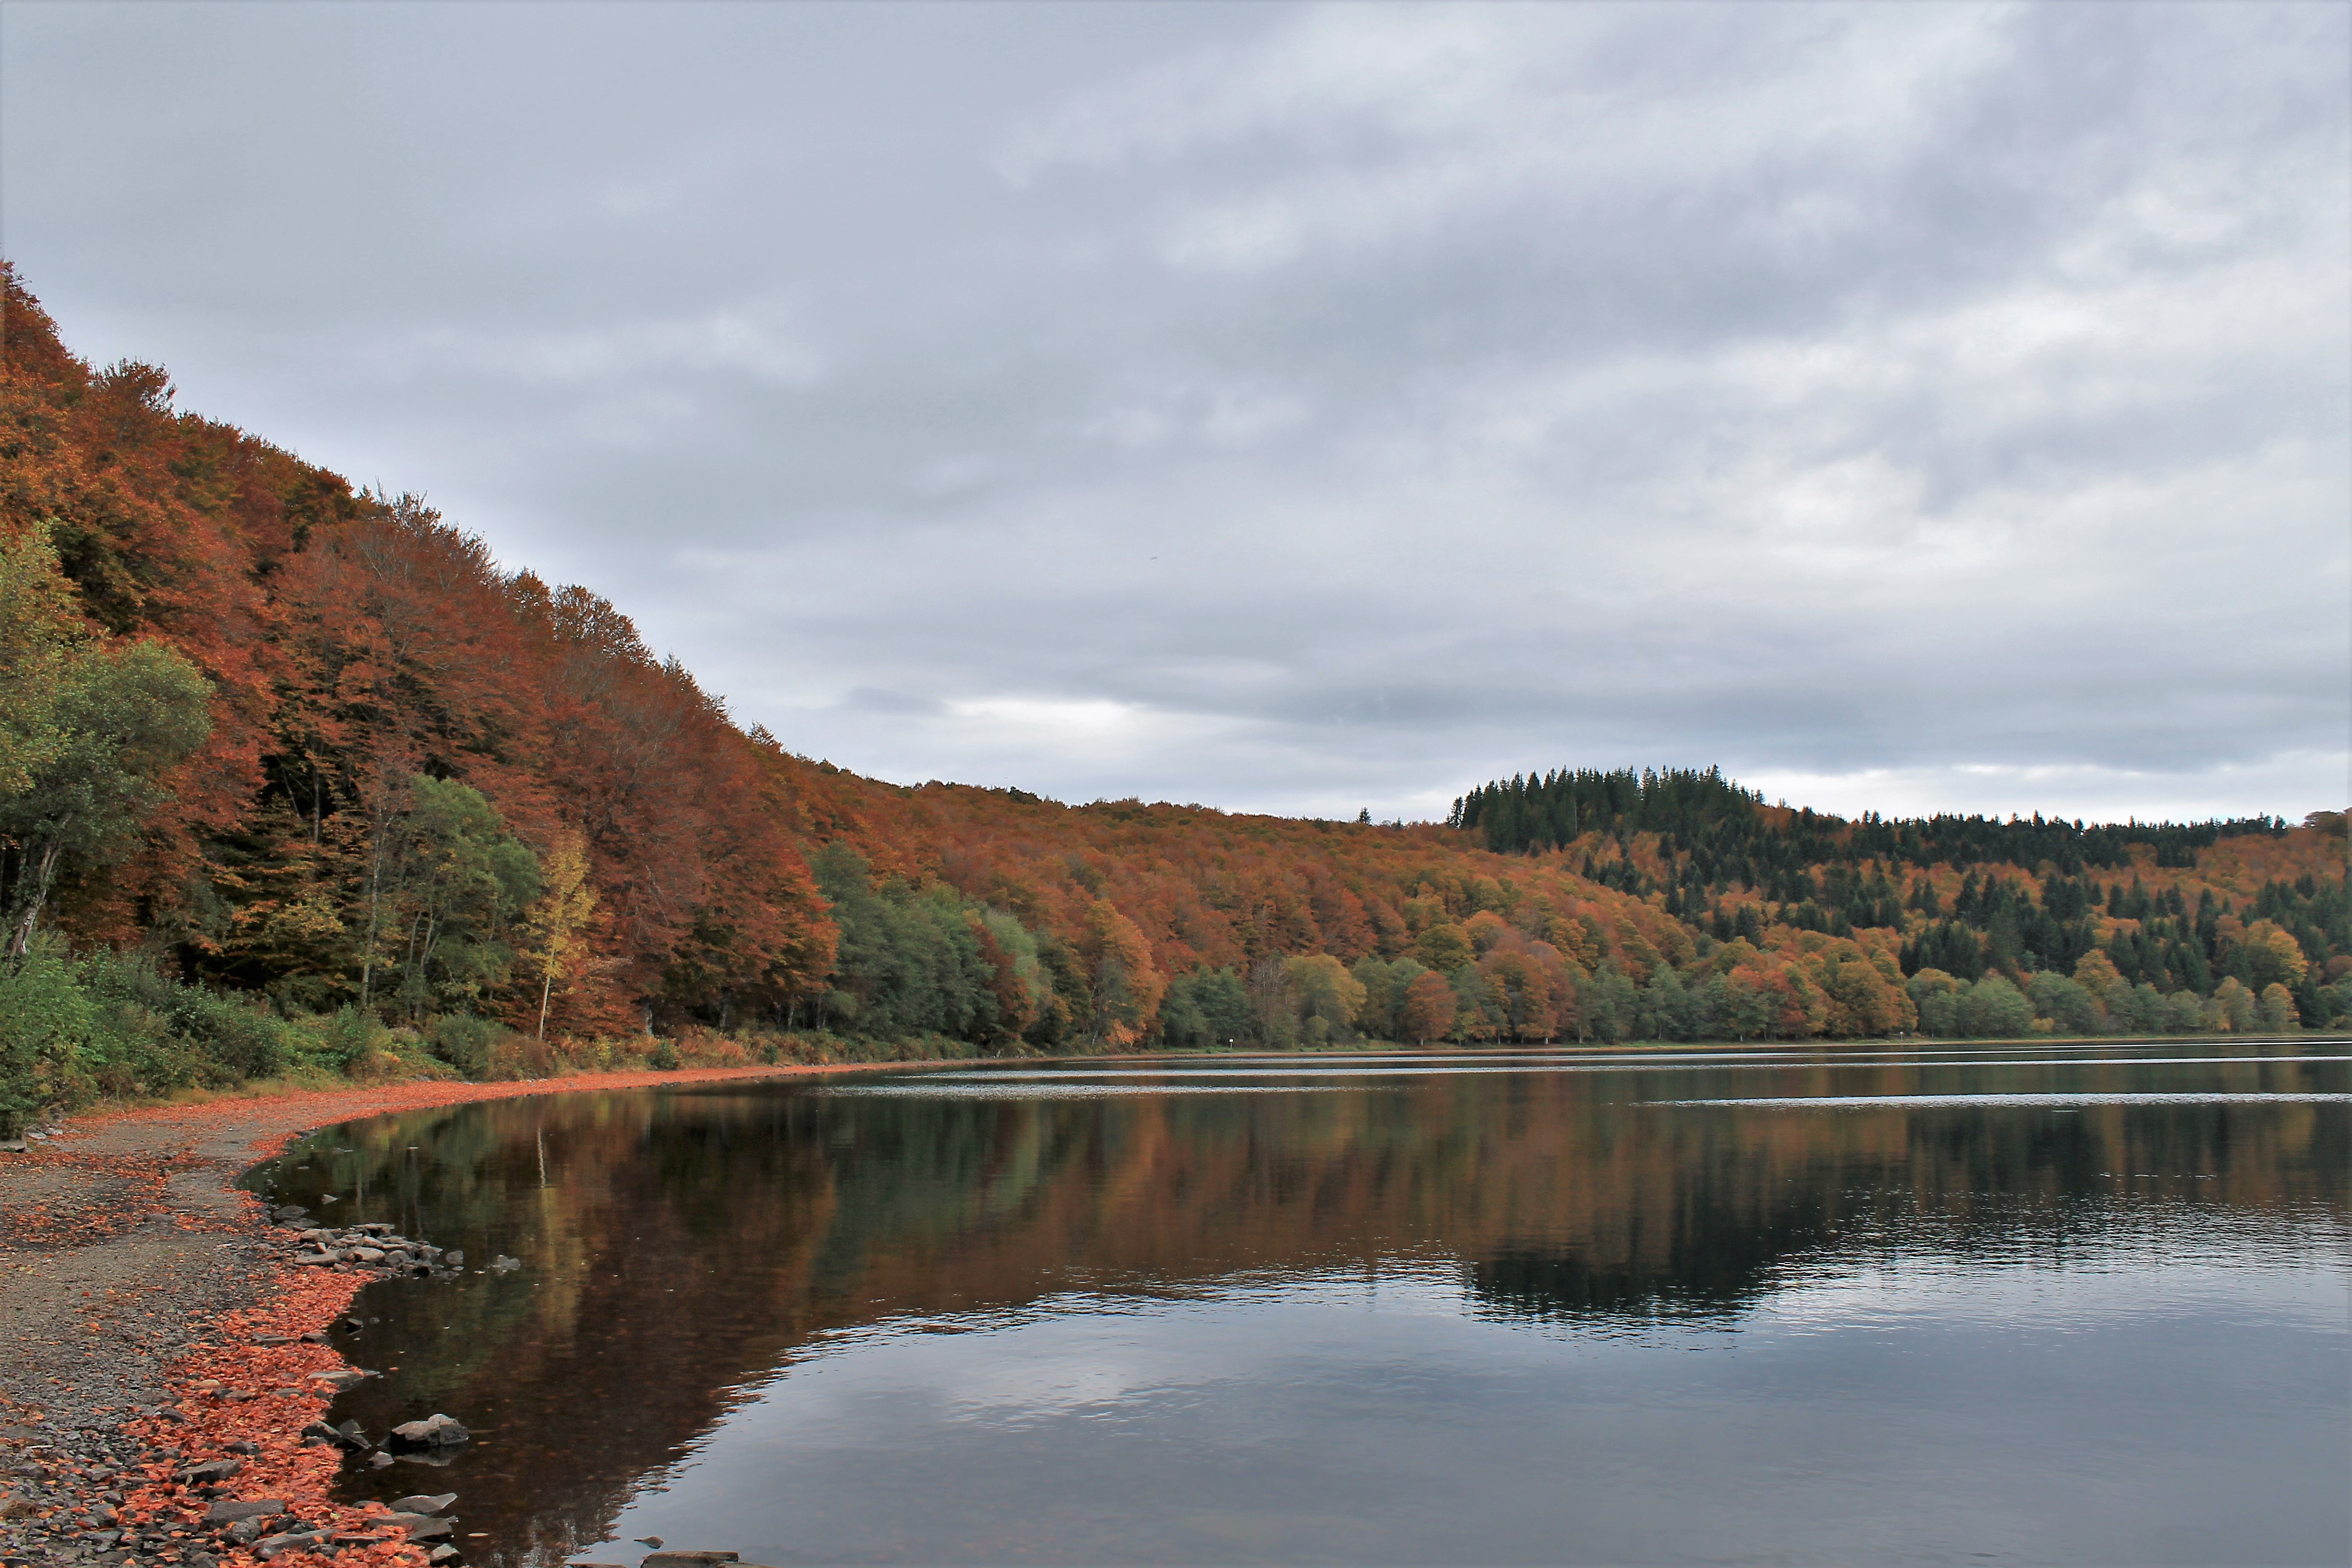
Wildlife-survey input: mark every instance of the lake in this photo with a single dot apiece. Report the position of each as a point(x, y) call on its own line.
point(1951, 1304)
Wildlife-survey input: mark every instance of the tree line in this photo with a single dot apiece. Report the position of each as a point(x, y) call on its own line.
point(292, 773)
point(1731, 829)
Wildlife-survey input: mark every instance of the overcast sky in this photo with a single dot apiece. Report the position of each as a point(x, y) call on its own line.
point(1304, 409)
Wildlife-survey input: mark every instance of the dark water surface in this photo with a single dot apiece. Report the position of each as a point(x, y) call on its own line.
point(1964, 1305)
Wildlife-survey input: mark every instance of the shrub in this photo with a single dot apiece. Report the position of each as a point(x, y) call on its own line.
point(464, 1042)
point(46, 1023)
point(513, 1055)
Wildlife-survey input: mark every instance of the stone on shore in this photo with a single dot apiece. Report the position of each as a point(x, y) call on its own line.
point(253, 1508)
point(271, 1545)
point(215, 1471)
point(421, 1503)
point(422, 1526)
point(436, 1431)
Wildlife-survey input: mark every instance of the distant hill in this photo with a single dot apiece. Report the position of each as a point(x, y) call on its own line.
point(277, 739)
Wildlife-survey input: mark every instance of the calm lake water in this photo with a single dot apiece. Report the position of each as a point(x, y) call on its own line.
point(1967, 1304)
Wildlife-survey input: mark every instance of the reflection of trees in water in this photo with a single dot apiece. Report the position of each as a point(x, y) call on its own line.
point(681, 1248)
point(1523, 1283)
point(1714, 1266)
point(1761, 1190)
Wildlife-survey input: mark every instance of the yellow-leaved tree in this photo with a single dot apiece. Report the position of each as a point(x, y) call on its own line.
point(557, 923)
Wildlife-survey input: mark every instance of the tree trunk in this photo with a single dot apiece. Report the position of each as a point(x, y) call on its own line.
point(367, 955)
point(21, 940)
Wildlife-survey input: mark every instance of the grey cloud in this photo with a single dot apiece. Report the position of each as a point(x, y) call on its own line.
point(1301, 409)
point(873, 699)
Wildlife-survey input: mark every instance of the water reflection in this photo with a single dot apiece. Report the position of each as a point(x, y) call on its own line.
point(1950, 1302)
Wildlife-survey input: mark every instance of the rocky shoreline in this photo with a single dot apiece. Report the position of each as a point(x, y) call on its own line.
point(168, 1347)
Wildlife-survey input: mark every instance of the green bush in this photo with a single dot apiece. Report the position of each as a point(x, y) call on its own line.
point(241, 1035)
point(71, 1029)
point(464, 1042)
point(45, 1026)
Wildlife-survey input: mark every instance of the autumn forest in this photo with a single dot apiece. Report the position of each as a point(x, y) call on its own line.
point(292, 773)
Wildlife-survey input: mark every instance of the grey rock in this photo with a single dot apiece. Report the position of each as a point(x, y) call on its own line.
point(270, 1546)
point(246, 1531)
point(454, 1258)
point(249, 1508)
point(421, 1503)
point(436, 1431)
point(347, 1436)
point(422, 1527)
point(379, 1459)
point(217, 1471)
point(503, 1265)
point(686, 1559)
point(442, 1554)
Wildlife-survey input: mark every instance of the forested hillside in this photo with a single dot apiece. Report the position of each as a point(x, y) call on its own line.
point(292, 771)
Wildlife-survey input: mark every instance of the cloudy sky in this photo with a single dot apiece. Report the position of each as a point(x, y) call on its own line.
point(1301, 409)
